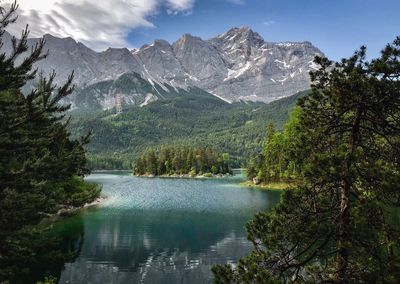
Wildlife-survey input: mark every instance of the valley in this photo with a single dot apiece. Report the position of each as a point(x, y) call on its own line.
point(154, 141)
point(195, 119)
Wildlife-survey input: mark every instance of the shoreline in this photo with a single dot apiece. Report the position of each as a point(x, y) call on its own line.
point(110, 171)
point(70, 211)
point(185, 176)
point(269, 186)
point(281, 185)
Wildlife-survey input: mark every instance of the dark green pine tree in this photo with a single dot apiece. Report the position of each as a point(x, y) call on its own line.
point(36, 151)
point(342, 224)
point(41, 167)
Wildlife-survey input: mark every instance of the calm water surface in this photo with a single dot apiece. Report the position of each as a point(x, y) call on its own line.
point(160, 230)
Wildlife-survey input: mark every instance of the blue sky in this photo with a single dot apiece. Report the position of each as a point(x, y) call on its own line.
point(336, 27)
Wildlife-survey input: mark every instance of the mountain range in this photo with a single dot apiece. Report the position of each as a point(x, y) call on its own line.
point(238, 65)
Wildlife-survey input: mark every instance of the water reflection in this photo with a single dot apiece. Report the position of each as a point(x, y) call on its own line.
point(148, 248)
point(162, 231)
point(28, 257)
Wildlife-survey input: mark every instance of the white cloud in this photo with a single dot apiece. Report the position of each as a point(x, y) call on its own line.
point(97, 23)
point(269, 23)
point(180, 5)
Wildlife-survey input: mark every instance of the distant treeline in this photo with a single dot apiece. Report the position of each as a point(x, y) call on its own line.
point(182, 161)
point(110, 161)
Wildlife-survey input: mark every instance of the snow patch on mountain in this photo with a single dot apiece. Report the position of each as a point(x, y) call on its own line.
point(238, 64)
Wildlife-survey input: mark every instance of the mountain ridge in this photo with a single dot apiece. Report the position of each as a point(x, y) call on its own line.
point(236, 65)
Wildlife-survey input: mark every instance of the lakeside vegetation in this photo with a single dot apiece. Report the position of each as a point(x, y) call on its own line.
point(277, 162)
point(41, 166)
point(340, 223)
point(277, 185)
point(179, 161)
point(340, 147)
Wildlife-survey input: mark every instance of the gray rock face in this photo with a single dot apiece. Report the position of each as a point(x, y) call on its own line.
point(66, 55)
point(160, 64)
point(201, 61)
point(259, 70)
point(131, 89)
point(115, 62)
point(237, 65)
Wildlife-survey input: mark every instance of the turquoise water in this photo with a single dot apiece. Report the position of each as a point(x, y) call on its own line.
point(160, 230)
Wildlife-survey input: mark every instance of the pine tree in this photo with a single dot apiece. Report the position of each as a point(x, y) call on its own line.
point(278, 161)
point(41, 167)
point(339, 226)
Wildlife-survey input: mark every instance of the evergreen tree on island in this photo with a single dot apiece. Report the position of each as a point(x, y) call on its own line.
point(182, 160)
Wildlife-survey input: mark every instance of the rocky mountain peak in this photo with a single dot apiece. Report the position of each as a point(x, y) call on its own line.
point(161, 43)
point(63, 43)
point(236, 65)
point(188, 37)
point(187, 40)
point(120, 55)
point(243, 35)
point(112, 50)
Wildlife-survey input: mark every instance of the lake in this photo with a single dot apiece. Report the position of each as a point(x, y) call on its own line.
point(158, 230)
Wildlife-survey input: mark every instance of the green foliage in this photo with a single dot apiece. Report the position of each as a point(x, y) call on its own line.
point(341, 225)
point(196, 119)
point(48, 280)
point(277, 160)
point(37, 155)
point(75, 192)
point(38, 254)
point(41, 167)
point(182, 161)
point(27, 254)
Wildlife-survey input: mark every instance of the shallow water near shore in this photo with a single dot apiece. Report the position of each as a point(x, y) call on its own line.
point(155, 230)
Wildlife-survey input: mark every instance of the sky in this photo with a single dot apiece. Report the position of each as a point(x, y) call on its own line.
point(336, 27)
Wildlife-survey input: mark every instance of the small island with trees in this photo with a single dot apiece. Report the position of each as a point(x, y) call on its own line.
point(182, 161)
point(338, 222)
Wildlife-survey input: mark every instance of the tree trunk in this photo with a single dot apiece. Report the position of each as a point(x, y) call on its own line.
point(342, 257)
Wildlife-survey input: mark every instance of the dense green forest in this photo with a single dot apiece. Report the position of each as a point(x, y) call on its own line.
point(340, 222)
point(41, 166)
point(182, 161)
point(277, 161)
point(198, 119)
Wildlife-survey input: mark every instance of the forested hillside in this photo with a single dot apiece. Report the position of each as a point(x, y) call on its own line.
point(198, 119)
